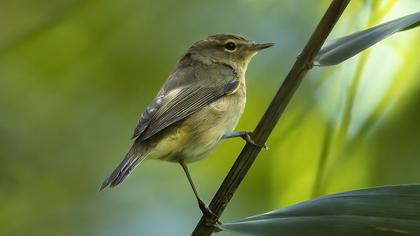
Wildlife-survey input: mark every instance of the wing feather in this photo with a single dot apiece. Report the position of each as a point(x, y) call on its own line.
point(195, 88)
point(187, 102)
point(147, 115)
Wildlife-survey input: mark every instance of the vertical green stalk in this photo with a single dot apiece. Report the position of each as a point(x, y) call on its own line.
point(382, 105)
point(341, 134)
point(373, 117)
point(322, 163)
point(376, 15)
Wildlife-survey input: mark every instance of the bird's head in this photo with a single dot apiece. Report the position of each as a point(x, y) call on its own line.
point(233, 50)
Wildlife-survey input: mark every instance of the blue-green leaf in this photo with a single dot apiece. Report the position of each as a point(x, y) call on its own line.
point(391, 210)
point(338, 50)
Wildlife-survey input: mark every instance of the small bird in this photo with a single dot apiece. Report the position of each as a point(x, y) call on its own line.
point(198, 106)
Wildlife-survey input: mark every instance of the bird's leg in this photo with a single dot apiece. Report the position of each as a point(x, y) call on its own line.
point(203, 207)
point(245, 136)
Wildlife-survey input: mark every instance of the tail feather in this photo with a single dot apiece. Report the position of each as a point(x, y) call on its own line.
point(131, 160)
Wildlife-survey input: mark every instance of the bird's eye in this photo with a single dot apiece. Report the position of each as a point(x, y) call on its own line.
point(230, 46)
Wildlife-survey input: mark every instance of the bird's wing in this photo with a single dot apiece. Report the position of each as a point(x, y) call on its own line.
point(203, 87)
point(147, 115)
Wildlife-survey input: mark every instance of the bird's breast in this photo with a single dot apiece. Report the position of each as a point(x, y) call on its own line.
point(205, 128)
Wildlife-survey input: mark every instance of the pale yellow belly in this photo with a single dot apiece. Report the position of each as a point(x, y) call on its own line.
point(193, 138)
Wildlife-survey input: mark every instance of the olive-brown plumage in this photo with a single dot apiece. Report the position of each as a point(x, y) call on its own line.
point(198, 106)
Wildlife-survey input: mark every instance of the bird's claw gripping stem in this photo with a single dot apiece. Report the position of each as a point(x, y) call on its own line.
point(247, 137)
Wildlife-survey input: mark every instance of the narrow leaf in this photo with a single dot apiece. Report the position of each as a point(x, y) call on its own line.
point(391, 210)
point(338, 50)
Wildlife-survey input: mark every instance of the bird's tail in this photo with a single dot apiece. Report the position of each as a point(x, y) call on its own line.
point(132, 159)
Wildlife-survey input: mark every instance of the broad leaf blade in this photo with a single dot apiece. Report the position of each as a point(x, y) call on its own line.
point(338, 50)
point(393, 210)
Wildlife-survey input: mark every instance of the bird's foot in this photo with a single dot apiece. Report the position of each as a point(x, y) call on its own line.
point(247, 137)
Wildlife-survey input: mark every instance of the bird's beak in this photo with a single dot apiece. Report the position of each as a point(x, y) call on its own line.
point(260, 46)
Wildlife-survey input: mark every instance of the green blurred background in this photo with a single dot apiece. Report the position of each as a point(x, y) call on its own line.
point(75, 76)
